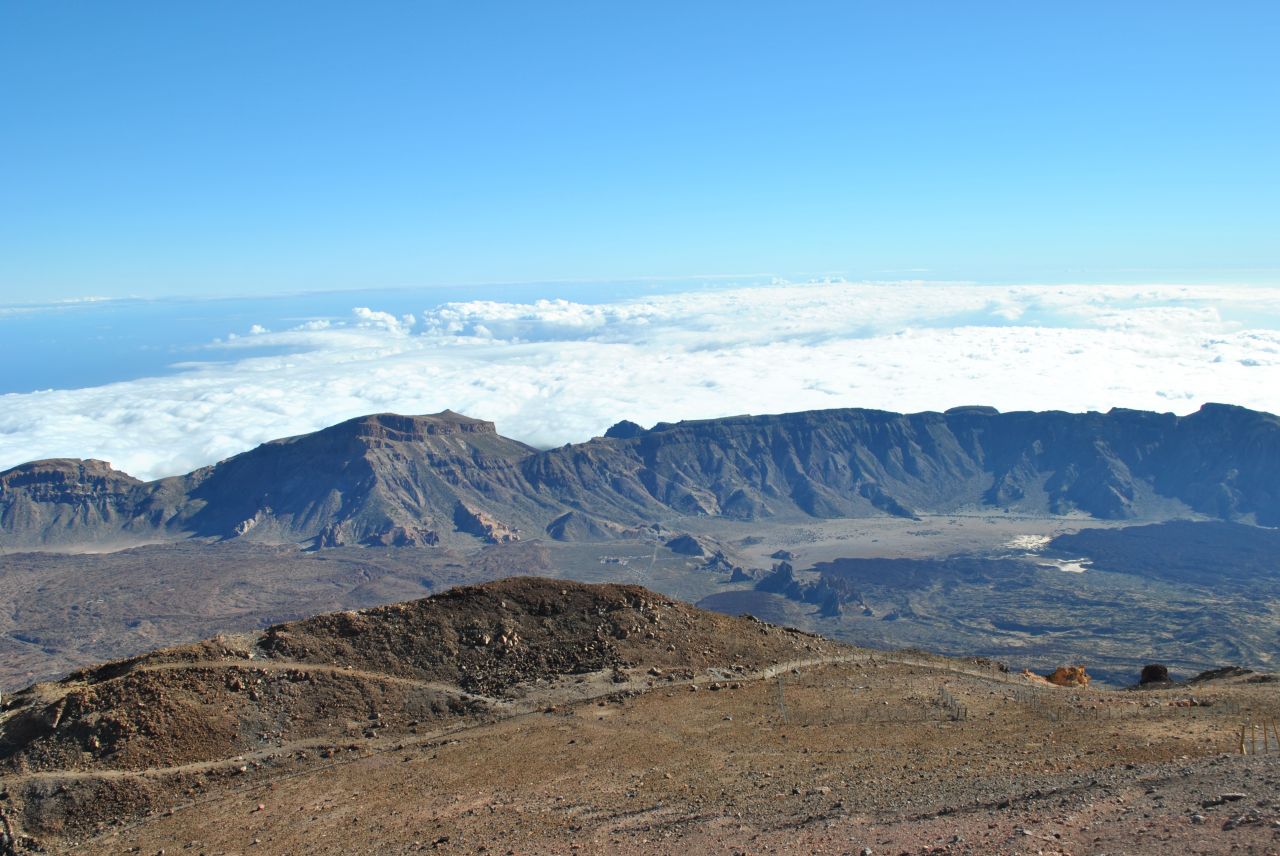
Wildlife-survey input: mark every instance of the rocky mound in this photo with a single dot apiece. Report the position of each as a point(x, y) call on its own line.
point(690, 545)
point(468, 652)
point(580, 526)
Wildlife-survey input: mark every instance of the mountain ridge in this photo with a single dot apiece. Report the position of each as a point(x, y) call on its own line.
point(388, 479)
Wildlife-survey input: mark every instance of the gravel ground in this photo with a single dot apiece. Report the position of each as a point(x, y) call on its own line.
point(850, 757)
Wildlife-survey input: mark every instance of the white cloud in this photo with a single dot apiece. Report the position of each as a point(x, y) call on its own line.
point(554, 371)
point(372, 318)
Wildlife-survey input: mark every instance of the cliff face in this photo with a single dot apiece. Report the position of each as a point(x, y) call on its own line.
point(1222, 461)
point(821, 463)
point(68, 501)
point(366, 480)
point(389, 479)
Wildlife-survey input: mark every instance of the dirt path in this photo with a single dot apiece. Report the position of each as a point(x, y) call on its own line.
point(319, 668)
point(507, 709)
point(512, 709)
point(827, 794)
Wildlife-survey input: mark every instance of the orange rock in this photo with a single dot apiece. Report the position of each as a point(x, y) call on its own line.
point(1069, 676)
point(1063, 676)
point(1033, 677)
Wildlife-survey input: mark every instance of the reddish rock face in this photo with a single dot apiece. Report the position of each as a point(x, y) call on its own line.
point(1069, 676)
point(1063, 676)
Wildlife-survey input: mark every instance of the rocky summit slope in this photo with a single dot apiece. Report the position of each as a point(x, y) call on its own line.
point(421, 480)
point(312, 686)
point(540, 716)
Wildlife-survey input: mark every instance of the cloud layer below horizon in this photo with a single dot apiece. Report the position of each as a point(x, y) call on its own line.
point(552, 371)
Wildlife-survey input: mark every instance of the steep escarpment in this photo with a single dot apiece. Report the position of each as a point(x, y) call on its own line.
point(835, 463)
point(1224, 461)
point(421, 480)
point(71, 501)
point(382, 479)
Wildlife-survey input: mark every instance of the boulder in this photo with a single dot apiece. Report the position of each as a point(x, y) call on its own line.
point(1068, 676)
point(1063, 676)
point(1154, 673)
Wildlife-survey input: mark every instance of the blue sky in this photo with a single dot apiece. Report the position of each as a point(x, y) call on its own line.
point(240, 148)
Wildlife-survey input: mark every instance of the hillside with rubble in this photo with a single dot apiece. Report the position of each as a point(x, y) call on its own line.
point(533, 715)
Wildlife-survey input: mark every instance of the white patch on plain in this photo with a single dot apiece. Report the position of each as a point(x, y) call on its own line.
point(1068, 566)
point(1029, 543)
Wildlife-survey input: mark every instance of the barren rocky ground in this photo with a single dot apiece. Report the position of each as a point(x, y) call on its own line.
point(969, 591)
point(60, 612)
point(609, 719)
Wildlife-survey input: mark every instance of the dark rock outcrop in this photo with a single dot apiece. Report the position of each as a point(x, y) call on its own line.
point(1154, 673)
point(624, 430)
point(580, 526)
point(687, 545)
point(782, 580)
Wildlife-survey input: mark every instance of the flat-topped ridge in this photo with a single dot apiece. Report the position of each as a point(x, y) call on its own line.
point(397, 427)
point(64, 471)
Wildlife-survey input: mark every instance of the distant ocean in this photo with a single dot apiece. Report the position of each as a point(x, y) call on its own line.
point(85, 343)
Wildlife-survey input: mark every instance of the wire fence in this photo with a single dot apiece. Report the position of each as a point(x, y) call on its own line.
point(955, 710)
point(1259, 737)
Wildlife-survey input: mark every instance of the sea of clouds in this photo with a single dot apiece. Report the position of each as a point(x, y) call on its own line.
point(552, 371)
